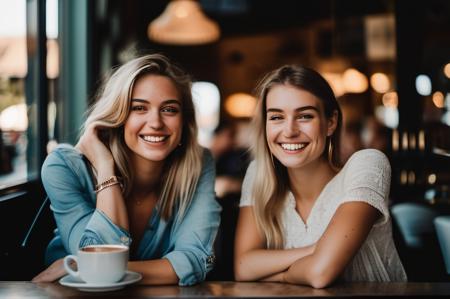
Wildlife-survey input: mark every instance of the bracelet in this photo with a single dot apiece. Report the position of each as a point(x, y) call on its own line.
point(114, 180)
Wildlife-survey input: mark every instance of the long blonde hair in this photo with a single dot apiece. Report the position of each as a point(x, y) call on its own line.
point(271, 182)
point(110, 111)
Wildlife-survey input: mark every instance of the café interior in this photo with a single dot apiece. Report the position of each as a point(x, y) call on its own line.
point(387, 61)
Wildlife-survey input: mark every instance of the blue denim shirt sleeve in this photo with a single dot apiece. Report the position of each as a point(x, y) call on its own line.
point(192, 256)
point(69, 186)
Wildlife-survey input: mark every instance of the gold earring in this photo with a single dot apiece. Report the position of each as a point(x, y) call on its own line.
point(330, 152)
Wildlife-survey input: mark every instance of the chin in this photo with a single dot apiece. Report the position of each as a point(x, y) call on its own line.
point(291, 162)
point(156, 157)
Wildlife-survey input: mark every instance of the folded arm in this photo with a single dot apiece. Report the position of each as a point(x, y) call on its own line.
point(342, 239)
point(252, 260)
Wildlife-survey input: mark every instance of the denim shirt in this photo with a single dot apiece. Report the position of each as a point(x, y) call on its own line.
point(187, 242)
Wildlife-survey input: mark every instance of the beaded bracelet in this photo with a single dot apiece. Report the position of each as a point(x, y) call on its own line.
point(114, 180)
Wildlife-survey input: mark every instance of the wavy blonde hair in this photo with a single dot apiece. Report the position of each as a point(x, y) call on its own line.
point(271, 182)
point(110, 111)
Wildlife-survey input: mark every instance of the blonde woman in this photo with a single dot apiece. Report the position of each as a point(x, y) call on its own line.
point(137, 176)
point(304, 219)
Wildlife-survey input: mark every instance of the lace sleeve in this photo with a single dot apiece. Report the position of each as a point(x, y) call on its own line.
point(246, 193)
point(367, 179)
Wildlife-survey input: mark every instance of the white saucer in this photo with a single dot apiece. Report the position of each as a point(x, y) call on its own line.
point(129, 278)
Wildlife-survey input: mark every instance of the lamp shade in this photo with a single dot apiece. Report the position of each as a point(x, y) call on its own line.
point(183, 23)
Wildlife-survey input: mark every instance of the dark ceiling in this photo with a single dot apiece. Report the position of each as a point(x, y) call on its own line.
point(237, 17)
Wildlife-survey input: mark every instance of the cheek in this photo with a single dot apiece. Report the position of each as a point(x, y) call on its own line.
point(130, 129)
point(271, 132)
point(176, 126)
point(271, 136)
point(314, 131)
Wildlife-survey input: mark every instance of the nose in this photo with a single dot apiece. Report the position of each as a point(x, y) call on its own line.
point(291, 128)
point(154, 120)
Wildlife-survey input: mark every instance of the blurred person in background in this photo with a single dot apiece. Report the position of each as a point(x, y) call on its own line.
point(231, 160)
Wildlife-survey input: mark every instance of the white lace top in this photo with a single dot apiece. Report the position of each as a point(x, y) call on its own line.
point(366, 178)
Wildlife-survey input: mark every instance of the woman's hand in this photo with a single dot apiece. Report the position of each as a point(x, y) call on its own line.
point(93, 148)
point(52, 273)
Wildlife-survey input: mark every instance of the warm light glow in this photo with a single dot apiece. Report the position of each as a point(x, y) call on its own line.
point(423, 85)
point(13, 57)
point(447, 70)
point(403, 177)
point(380, 82)
point(411, 177)
point(181, 12)
point(390, 99)
point(183, 23)
point(14, 118)
point(335, 81)
point(395, 140)
point(405, 140)
point(354, 81)
point(52, 59)
point(438, 99)
point(422, 140)
point(432, 179)
point(412, 141)
point(240, 105)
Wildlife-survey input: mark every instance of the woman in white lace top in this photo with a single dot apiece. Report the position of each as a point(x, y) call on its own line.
point(304, 218)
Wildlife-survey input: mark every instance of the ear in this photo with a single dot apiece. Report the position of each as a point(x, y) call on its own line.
point(332, 123)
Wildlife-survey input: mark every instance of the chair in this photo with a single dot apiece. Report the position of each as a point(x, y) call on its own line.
point(442, 225)
point(415, 222)
point(26, 225)
point(418, 248)
point(224, 244)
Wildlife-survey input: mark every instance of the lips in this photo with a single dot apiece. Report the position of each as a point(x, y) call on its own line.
point(154, 138)
point(293, 146)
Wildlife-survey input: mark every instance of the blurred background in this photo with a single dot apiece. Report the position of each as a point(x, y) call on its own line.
point(388, 62)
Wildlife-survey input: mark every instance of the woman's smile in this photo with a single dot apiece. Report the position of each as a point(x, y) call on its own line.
point(293, 147)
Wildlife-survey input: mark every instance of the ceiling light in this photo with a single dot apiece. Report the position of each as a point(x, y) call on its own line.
point(183, 23)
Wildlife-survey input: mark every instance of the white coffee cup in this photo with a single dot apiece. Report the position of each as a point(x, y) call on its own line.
point(99, 263)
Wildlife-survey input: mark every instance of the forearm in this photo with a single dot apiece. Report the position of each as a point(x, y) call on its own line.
point(110, 200)
point(279, 277)
point(155, 272)
point(315, 271)
point(300, 271)
point(263, 263)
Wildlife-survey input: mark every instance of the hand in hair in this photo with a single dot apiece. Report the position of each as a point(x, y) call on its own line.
point(94, 149)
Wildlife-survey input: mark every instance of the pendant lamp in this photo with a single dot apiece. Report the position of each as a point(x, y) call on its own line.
point(183, 23)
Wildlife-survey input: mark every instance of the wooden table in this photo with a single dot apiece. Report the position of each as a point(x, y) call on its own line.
point(21, 289)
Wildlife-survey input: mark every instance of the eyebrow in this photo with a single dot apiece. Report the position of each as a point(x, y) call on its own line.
point(170, 101)
point(300, 109)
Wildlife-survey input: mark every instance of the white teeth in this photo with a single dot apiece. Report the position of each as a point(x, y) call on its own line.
point(154, 138)
point(292, 146)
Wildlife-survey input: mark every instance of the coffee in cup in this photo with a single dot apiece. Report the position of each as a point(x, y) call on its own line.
point(99, 263)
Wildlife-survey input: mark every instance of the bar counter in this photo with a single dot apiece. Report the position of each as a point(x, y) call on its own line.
point(225, 289)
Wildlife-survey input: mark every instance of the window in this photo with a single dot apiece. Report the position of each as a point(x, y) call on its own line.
point(28, 72)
